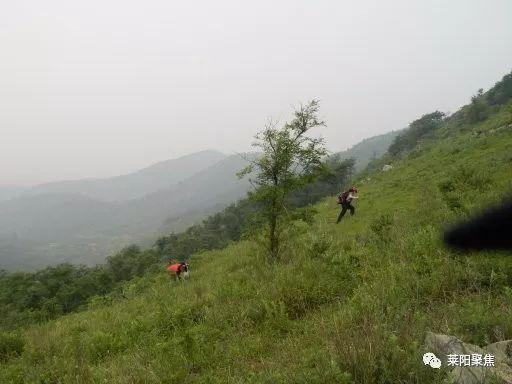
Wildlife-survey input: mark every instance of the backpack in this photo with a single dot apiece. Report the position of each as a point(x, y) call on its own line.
point(342, 198)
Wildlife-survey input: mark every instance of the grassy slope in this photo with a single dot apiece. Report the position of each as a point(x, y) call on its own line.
point(348, 302)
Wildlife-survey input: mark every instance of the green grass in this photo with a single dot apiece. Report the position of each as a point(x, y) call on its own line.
point(347, 303)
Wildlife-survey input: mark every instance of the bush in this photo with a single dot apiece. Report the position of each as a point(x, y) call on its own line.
point(100, 345)
point(478, 109)
point(319, 246)
point(11, 346)
point(417, 131)
point(381, 227)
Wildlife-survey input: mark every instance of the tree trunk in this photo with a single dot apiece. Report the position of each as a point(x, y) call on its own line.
point(273, 237)
point(274, 242)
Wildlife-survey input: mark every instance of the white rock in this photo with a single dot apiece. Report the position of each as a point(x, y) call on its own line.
point(444, 345)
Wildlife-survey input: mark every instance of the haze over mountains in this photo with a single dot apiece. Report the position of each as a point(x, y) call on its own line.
point(369, 149)
point(156, 177)
point(10, 191)
point(83, 221)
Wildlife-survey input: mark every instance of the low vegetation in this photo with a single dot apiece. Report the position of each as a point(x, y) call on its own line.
point(346, 303)
point(36, 297)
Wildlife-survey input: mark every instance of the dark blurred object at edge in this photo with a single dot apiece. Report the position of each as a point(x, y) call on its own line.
point(492, 230)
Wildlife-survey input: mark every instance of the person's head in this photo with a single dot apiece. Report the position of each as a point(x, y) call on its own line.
point(353, 189)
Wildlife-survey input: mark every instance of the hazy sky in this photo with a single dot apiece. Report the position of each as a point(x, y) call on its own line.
point(103, 87)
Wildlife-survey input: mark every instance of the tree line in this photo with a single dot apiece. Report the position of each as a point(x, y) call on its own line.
point(482, 104)
point(28, 297)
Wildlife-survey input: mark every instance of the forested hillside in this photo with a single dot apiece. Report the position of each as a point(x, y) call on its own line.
point(369, 149)
point(49, 228)
point(344, 303)
point(28, 297)
point(84, 221)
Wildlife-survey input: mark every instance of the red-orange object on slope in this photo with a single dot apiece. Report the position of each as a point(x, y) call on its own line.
point(174, 268)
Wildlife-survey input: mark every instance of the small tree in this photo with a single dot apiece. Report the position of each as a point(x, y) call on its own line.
point(478, 108)
point(289, 160)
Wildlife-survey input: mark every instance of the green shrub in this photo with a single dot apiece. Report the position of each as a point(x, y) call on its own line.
point(381, 227)
point(319, 246)
point(350, 303)
point(100, 345)
point(11, 346)
point(306, 214)
point(454, 203)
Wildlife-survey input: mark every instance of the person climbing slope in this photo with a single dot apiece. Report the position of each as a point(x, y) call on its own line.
point(345, 200)
point(178, 270)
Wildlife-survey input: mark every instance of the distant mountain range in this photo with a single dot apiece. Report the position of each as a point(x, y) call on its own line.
point(82, 221)
point(134, 185)
point(10, 191)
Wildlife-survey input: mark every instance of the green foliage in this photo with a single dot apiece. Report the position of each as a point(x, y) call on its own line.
point(483, 103)
point(65, 288)
point(289, 161)
point(461, 179)
point(305, 214)
point(215, 232)
point(55, 291)
point(501, 93)
point(478, 109)
point(381, 227)
point(131, 262)
point(242, 218)
point(345, 304)
point(418, 130)
point(368, 150)
point(11, 346)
